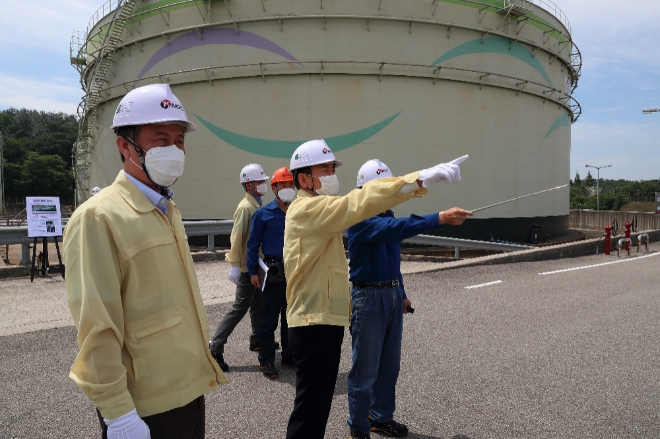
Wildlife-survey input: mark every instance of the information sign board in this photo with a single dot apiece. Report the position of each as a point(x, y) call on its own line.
point(44, 216)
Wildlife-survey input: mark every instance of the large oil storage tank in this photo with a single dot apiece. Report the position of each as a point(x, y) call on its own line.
point(411, 82)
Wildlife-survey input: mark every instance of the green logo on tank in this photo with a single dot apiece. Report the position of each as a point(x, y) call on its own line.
point(284, 148)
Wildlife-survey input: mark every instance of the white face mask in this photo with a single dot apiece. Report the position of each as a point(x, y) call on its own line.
point(262, 189)
point(287, 195)
point(329, 185)
point(164, 164)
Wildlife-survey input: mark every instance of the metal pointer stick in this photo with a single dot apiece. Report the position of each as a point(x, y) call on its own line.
point(518, 198)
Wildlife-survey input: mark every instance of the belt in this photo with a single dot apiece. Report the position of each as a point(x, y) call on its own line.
point(268, 258)
point(384, 284)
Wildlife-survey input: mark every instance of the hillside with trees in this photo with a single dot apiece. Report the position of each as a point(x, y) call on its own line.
point(37, 154)
point(614, 195)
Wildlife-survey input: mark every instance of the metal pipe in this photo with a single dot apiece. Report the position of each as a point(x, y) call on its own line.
point(518, 198)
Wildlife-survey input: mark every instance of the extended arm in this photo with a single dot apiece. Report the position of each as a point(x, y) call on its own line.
point(331, 215)
point(384, 229)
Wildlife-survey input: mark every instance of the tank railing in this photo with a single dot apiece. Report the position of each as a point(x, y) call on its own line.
point(367, 18)
point(575, 54)
point(547, 5)
point(548, 92)
point(106, 8)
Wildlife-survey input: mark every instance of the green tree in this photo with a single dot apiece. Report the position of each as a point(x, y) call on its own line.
point(46, 175)
point(577, 181)
point(48, 135)
point(589, 181)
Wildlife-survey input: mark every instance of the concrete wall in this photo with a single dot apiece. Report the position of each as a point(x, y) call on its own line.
point(597, 220)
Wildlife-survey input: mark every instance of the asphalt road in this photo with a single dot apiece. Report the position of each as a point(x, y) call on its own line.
point(561, 355)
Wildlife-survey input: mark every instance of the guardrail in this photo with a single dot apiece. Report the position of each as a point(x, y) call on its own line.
point(19, 235)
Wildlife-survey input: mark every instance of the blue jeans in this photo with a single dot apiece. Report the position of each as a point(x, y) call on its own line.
point(376, 328)
point(273, 310)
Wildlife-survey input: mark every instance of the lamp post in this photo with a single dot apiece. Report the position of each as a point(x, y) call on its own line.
point(597, 182)
point(650, 110)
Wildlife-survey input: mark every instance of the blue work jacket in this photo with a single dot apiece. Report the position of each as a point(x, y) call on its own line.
point(374, 245)
point(267, 232)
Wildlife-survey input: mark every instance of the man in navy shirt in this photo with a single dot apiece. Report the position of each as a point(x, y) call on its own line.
point(267, 233)
point(379, 302)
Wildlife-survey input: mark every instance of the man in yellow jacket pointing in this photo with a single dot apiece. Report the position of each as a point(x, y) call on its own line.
point(318, 292)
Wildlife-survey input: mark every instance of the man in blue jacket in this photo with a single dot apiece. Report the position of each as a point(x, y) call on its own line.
point(379, 302)
point(267, 234)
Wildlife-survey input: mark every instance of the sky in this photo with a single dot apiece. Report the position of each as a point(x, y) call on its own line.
point(620, 75)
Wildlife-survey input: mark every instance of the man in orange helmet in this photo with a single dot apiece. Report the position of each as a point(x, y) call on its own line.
point(267, 233)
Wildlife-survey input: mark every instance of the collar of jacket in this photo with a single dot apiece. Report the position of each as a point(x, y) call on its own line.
point(252, 200)
point(133, 196)
point(303, 193)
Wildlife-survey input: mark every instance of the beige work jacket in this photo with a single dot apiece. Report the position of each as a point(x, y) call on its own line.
point(318, 290)
point(134, 297)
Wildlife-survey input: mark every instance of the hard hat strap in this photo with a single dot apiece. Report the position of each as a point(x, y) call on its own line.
point(163, 189)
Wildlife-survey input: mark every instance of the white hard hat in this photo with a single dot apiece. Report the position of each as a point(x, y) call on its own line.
point(152, 103)
point(372, 170)
point(96, 190)
point(253, 172)
point(314, 152)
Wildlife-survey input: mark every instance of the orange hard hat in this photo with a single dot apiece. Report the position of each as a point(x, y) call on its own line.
point(281, 175)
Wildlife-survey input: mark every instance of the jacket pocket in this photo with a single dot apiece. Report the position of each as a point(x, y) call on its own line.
point(165, 353)
point(339, 293)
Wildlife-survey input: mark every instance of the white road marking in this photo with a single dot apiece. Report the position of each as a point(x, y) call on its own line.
point(600, 265)
point(495, 282)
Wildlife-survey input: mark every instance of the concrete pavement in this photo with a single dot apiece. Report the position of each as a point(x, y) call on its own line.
point(568, 354)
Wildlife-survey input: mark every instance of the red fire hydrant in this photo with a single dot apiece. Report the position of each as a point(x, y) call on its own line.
point(628, 226)
point(608, 239)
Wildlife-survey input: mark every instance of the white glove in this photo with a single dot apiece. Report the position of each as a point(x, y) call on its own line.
point(447, 172)
point(128, 426)
point(234, 274)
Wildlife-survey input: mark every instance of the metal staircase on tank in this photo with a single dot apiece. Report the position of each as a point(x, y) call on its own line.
point(515, 8)
point(94, 82)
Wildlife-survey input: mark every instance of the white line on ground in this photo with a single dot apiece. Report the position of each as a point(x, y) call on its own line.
point(599, 265)
point(495, 282)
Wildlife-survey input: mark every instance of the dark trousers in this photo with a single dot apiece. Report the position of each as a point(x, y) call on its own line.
point(247, 298)
point(317, 350)
point(273, 311)
point(187, 422)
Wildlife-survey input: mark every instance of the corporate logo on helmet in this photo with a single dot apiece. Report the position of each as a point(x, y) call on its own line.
point(124, 107)
point(380, 171)
point(327, 150)
point(301, 156)
point(169, 104)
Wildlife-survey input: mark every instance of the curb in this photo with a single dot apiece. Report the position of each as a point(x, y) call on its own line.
point(570, 250)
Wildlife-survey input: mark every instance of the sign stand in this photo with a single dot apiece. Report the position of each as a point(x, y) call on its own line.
point(45, 266)
point(44, 220)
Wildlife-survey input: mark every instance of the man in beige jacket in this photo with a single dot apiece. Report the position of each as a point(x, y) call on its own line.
point(131, 285)
point(318, 292)
point(248, 297)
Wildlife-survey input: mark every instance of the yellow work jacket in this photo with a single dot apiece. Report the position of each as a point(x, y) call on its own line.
point(134, 297)
point(240, 232)
point(318, 290)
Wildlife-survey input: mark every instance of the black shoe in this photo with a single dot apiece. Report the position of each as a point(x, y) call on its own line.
point(391, 428)
point(221, 361)
point(255, 347)
point(289, 362)
point(269, 370)
point(358, 435)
